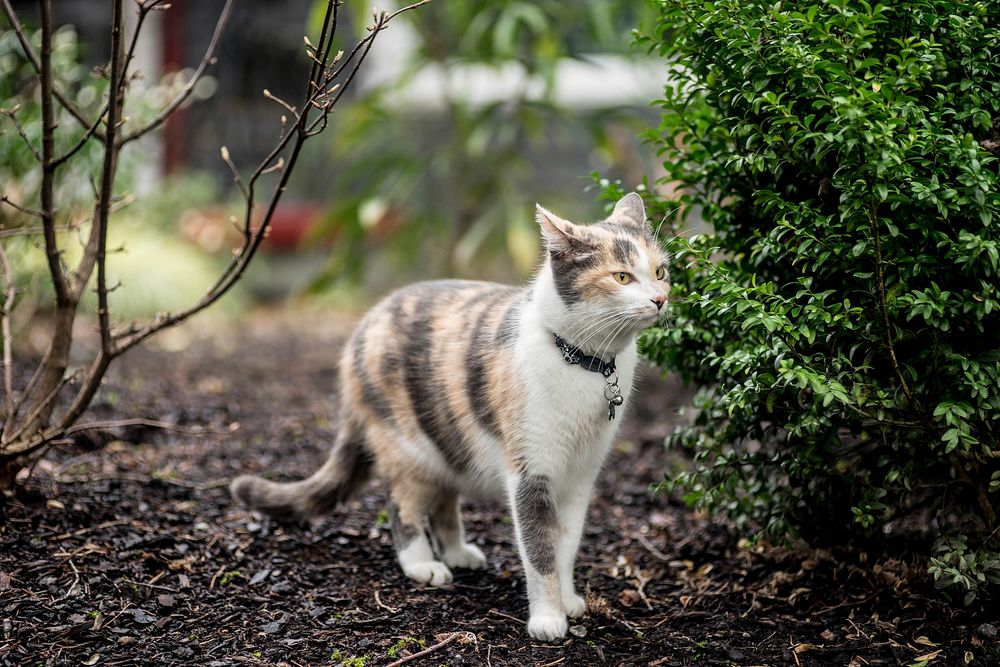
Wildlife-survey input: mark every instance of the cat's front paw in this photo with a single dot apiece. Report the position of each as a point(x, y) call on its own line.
point(547, 628)
point(430, 572)
point(466, 555)
point(574, 605)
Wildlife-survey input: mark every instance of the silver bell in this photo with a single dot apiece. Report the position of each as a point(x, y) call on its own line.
point(617, 399)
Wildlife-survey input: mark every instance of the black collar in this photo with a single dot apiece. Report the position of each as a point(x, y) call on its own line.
point(574, 356)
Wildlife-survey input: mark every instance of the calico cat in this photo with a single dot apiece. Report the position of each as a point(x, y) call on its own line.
point(452, 388)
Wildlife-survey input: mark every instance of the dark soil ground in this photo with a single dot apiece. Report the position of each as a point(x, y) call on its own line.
point(135, 555)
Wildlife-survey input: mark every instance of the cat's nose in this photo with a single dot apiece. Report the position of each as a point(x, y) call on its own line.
point(659, 300)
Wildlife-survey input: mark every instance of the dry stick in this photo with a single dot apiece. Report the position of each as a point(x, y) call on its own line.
point(427, 651)
point(32, 57)
point(150, 423)
point(207, 59)
point(8, 361)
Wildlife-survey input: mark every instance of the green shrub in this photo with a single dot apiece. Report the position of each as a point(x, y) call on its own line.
point(842, 315)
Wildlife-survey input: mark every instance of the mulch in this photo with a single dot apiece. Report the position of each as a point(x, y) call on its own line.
point(133, 554)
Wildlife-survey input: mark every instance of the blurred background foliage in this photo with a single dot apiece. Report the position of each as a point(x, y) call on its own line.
point(467, 113)
point(441, 160)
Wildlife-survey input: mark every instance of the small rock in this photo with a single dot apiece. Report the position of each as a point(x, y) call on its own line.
point(127, 640)
point(260, 576)
point(54, 504)
point(273, 626)
point(166, 600)
point(201, 527)
point(578, 631)
point(253, 527)
point(987, 630)
point(282, 587)
point(142, 616)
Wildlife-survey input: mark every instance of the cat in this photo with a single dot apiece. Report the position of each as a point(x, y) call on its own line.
point(461, 388)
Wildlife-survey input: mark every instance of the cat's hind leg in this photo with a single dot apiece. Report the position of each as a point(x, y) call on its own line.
point(408, 505)
point(446, 526)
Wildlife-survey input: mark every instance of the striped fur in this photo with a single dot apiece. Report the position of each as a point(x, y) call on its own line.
point(456, 388)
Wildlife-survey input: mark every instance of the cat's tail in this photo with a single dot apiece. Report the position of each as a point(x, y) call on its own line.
point(345, 472)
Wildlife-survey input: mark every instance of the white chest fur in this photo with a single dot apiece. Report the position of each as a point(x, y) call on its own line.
point(566, 411)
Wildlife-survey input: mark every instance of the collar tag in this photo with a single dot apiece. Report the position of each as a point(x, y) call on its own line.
point(574, 357)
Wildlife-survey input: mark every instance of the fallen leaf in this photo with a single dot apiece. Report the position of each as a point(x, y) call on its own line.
point(629, 597)
point(92, 660)
point(802, 648)
point(54, 504)
point(925, 641)
point(927, 657)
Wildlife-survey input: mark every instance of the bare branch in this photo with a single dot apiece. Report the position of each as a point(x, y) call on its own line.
point(36, 63)
point(321, 78)
point(208, 59)
point(91, 131)
point(42, 406)
point(11, 113)
point(8, 360)
point(288, 107)
point(23, 209)
point(224, 152)
point(48, 150)
point(116, 95)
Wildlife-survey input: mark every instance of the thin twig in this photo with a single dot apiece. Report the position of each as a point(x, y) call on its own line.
point(10, 113)
point(883, 302)
point(22, 209)
point(91, 131)
point(382, 605)
point(8, 360)
point(76, 580)
point(427, 651)
point(149, 423)
point(145, 479)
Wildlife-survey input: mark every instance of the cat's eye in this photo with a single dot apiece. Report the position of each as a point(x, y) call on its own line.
point(661, 273)
point(622, 277)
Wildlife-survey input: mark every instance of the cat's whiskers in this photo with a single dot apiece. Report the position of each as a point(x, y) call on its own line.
point(595, 327)
point(580, 334)
point(614, 335)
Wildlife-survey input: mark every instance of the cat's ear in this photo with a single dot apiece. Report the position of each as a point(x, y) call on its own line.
point(561, 236)
point(630, 210)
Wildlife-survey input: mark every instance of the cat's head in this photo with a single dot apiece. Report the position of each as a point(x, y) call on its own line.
point(610, 277)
